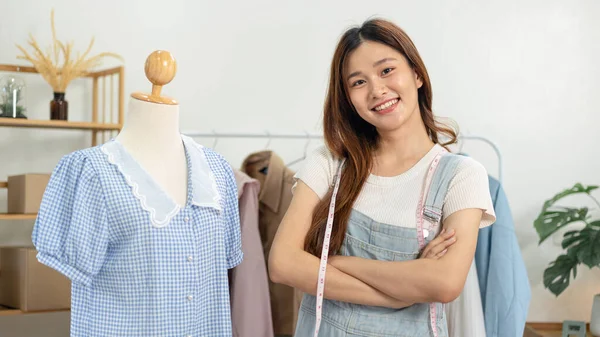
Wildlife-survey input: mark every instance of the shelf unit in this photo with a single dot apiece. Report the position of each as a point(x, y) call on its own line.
point(15, 229)
point(102, 118)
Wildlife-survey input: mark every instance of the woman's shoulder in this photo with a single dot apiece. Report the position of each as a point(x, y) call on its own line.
point(466, 165)
point(318, 169)
point(323, 155)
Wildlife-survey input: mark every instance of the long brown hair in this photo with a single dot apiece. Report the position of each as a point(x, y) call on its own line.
point(348, 136)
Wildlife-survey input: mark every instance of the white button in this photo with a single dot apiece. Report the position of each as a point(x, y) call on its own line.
point(190, 297)
point(425, 233)
point(190, 258)
point(186, 219)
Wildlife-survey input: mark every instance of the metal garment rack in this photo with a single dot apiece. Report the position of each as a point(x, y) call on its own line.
point(308, 136)
point(494, 146)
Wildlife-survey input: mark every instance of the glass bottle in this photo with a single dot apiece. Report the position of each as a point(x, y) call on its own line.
point(12, 97)
point(59, 107)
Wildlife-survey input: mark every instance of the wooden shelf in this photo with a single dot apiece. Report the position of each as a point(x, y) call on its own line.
point(549, 329)
point(32, 70)
point(5, 216)
point(10, 312)
point(54, 124)
point(3, 184)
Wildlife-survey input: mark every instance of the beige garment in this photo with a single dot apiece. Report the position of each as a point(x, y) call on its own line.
point(249, 288)
point(275, 196)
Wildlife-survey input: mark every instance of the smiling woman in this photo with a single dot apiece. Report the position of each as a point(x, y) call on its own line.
point(392, 77)
point(373, 201)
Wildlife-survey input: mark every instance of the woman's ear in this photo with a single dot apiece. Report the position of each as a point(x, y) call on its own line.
point(418, 80)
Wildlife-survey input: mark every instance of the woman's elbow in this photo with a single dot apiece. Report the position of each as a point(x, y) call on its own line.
point(276, 266)
point(450, 290)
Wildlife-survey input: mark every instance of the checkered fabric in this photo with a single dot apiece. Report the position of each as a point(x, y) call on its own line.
point(139, 264)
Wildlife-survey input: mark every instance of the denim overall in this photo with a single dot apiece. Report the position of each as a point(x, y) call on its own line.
point(378, 241)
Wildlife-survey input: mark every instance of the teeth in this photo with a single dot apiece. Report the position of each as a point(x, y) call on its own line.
point(386, 105)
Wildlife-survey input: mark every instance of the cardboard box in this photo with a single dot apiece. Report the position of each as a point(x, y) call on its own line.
point(28, 285)
point(25, 192)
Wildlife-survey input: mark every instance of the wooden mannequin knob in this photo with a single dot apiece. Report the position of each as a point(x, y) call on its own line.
point(160, 69)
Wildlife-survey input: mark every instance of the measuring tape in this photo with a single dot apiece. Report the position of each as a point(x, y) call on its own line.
point(325, 251)
point(329, 226)
point(423, 232)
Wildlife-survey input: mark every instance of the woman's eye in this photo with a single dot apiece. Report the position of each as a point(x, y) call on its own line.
point(359, 82)
point(387, 71)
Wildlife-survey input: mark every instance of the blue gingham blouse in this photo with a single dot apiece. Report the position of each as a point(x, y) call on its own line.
point(140, 265)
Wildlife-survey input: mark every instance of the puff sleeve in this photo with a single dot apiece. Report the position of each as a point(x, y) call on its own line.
point(233, 234)
point(71, 229)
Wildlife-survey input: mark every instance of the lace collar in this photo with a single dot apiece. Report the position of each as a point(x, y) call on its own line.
point(202, 185)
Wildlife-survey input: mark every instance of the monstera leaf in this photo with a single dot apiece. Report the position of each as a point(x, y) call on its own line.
point(553, 218)
point(584, 244)
point(576, 189)
point(549, 221)
point(557, 275)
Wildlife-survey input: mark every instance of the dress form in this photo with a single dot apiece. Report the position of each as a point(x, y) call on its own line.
point(150, 133)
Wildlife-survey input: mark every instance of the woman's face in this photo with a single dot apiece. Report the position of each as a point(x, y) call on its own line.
point(382, 86)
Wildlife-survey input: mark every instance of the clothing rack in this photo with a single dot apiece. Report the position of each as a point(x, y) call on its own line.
point(307, 135)
point(493, 145)
point(266, 134)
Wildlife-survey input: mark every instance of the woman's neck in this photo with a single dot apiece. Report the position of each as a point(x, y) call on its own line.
point(400, 149)
point(151, 125)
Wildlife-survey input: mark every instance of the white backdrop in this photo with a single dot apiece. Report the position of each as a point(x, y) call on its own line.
point(522, 73)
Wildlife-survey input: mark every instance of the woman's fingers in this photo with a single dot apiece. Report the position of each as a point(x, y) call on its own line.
point(438, 246)
point(436, 241)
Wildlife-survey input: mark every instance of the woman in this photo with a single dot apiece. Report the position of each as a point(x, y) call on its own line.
point(381, 133)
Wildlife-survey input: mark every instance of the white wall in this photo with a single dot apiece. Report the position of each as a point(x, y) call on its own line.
point(523, 73)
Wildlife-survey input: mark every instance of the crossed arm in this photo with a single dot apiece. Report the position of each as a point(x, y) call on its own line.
point(437, 276)
point(422, 280)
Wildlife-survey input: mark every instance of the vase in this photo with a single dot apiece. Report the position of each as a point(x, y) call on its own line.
point(59, 108)
point(595, 320)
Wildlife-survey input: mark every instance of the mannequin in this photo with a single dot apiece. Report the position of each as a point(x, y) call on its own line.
point(151, 130)
point(145, 257)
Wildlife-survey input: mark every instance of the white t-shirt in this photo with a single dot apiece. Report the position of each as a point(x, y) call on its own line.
point(394, 200)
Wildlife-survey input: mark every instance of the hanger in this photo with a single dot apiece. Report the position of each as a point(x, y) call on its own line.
point(305, 151)
point(461, 145)
point(268, 141)
point(265, 170)
point(216, 139)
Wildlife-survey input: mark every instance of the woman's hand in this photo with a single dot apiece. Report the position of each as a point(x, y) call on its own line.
point(439, 246)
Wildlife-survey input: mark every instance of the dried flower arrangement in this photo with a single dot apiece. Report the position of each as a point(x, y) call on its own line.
point(60, 75)
point(58, 66)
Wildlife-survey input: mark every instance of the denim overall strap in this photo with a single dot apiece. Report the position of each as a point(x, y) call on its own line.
point(436, 195)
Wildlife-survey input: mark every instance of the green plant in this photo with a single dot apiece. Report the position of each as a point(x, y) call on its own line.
point(582, 246)
point(6, 110)
point(10, 98)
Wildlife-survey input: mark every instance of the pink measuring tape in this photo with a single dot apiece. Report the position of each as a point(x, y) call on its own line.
point(325, 251)
point(327, 239)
